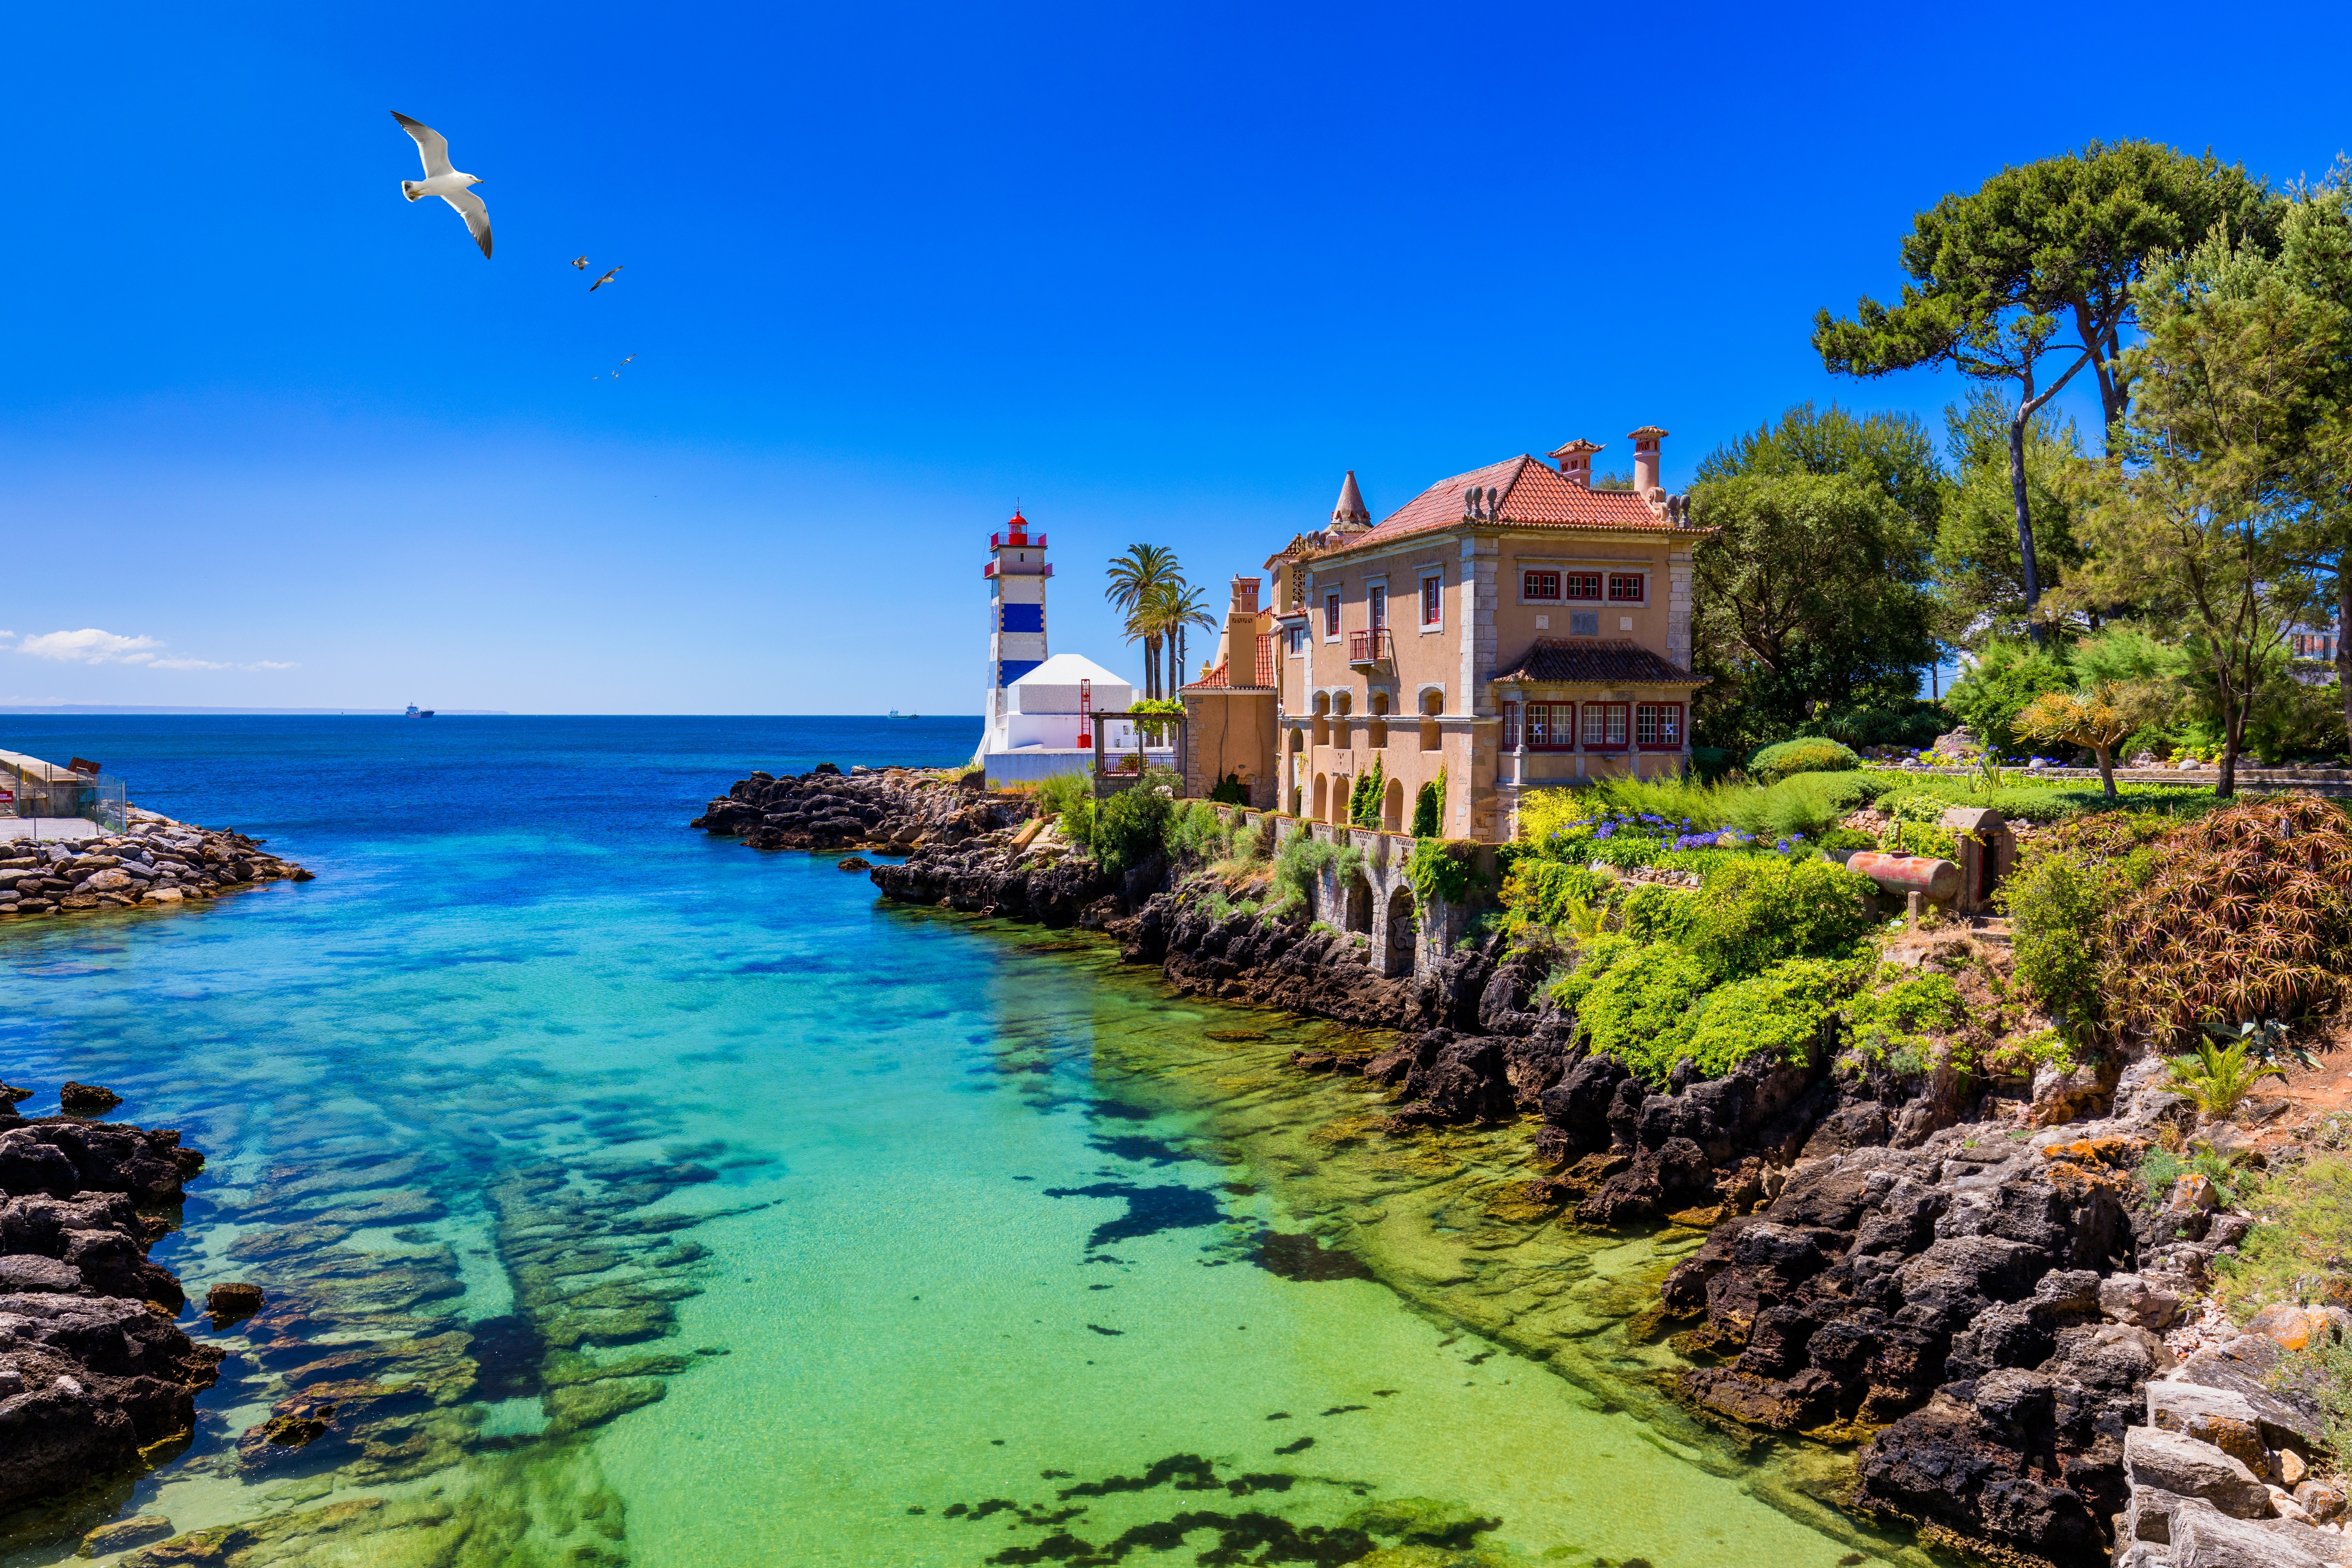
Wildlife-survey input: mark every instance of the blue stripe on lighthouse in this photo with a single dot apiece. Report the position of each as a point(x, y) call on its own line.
point(1022, 617)
point(1011, 669)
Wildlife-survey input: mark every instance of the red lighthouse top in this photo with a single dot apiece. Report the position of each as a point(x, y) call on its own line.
point(1017, 536)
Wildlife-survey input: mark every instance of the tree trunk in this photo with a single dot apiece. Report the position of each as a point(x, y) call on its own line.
point(2024, 513)
point(2103, 352)
point(2106, 755)
point(2233, 730)
point(2344, 625)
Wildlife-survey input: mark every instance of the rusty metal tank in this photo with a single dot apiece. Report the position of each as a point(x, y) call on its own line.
point(1938, 880)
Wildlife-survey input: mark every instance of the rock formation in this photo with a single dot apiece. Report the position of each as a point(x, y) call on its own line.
point(156, 861)
point(93, 1372)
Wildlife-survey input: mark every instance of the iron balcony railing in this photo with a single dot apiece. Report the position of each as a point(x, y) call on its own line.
point(1374, 646)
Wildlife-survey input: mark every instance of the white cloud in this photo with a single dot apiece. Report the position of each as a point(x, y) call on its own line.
point(91, 645)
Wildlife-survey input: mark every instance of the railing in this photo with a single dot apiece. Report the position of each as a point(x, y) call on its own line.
point(1016, 541)
point(1375, 646)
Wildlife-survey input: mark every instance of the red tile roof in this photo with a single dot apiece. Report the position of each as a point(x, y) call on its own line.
point(1534, 495)
point(1579, 659)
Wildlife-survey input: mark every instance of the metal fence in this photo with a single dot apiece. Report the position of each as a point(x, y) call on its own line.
point(29, 788)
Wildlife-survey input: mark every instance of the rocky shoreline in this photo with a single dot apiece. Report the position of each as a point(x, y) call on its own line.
point(1961, 1281)
point(96, 1378)
point(153, 862)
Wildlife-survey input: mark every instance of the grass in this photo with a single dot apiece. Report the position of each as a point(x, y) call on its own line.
point(2302, 1234)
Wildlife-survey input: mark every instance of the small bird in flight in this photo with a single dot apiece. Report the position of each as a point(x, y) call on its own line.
point(441, 180)
point(581, 262)
point(602, 281)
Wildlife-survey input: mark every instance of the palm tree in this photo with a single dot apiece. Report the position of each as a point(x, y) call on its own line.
point(1178, 608)
point(1135, 578)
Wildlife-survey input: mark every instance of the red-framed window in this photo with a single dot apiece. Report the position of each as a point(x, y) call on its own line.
point(1605, 725)
point(1658, 726)
point(1297, 638)
point(1510, 726)
point(1551, 726)
point(1582, 585)
point(1539, 586)
point(1625, 587)
point(1377, 600)
point(1331, 614)
point(1432, 601)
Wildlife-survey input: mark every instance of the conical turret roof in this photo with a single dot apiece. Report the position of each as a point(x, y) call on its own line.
point(1351, 508)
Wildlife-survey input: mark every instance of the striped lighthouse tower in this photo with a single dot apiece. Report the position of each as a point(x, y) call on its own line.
point(1016, 573)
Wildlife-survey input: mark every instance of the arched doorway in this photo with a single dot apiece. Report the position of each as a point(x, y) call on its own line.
point(1359, 905)
point(1322, 785)
point(1392, 806)
point(1404, 933)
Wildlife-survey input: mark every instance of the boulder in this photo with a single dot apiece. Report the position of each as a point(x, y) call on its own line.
point(2178, 1463)
point(2208, 1537)
point(87, 1099)
point(2135, 1300)
point(230, 1302)
point(2297, 1328)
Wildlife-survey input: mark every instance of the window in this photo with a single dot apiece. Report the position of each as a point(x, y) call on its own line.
point(1584, 622)
point(1432, 601)
point(1298, 640)
point(1376, 600)
point(1658, 726)
point(1625, 587)
point(1331, 614)
point(1604, 725)
point(1583, 584)
point(1510, 726)
point(1551, 726)
point(1544, 585)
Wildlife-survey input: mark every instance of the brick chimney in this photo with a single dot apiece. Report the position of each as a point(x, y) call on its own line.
point(1645, 461)
point(1575, 461)
point(1246, 594)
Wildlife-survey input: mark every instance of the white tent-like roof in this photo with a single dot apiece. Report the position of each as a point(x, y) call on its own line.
point(1052, 686)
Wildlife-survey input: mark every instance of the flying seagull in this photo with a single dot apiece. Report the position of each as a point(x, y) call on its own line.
point(602, 281)
point(441, 180)
point(581, 262)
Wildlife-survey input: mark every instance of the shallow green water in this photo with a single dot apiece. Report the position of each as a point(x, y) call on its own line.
point(633, 1196)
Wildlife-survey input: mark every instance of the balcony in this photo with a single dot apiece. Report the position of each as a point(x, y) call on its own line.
point(1375, 646)
point(1017, 541)
point(1016, 569)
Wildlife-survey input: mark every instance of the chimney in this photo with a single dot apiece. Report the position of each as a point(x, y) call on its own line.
point(1246, 594)
point(1576, 462)
point(1645, 461)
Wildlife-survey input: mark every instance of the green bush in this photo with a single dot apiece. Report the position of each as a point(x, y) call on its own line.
point(1230, 791)
point(1761, 909)
point(2055, 901)
point(1132, 826)
point(1543, 891)
point(1712, 763)
point(1429, 808)
point(1300, 863)
point(1364, 800)
point(1069, 798)
point(1806, 755)
point(1913, 725)
point(1894, 1025)
point(1439, 869)
point(1631, 998)
point(1847, 839)
point(2005, 676)
point(1778, 1013)
point(1198, 834)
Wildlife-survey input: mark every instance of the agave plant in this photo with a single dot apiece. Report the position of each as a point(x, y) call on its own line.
point(2218, 1080)
point(2266, 1040)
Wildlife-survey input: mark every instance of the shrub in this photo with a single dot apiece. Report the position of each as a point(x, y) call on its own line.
point(1761, 909)
point(2301, 1235)
point(1896, 1025)
point(1197, 834)
point(1230, 791)
point(1712, 763)
point(1300, 863)
point(1132, 826)
point(2006, 677)
point(1364, 800)
point(1778, 1013)
point(1847, 839)
point(2246, 914)
point(1913, 725)
point(1070, 799)
point(1437, 870)
point(2055, 900)
point(1631, 999)
point(1544, 890)
point(1429, 808)
point(1806, 755)
point(2218, 1080)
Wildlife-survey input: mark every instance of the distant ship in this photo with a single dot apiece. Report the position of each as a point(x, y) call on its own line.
point(417, 712)
point(896, 714)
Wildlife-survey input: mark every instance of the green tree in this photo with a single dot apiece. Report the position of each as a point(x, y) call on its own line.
point(2028, 281)
point(1889, 450)
point(1980, 573)
point(1172, 610)
point(2235, 380)
point(1811, 593)
point(1136, 580)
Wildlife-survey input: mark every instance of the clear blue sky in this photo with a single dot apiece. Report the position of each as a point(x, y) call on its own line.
point(1156, 273)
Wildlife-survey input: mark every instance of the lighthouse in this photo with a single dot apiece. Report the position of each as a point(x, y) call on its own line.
point(1016, 573)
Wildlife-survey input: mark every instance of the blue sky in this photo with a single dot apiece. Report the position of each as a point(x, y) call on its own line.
point(1157, 275)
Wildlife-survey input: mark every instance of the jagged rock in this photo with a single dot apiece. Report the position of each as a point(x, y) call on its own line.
point(2135, 1300)
point(87, 1099)
point(125, 1533)
point(2205, 1537)
point(2245, 1367)
point(230, 1302)
point(2177, 1463)
point(2297, 1328)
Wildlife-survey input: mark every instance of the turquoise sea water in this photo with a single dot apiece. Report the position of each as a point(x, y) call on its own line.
point(626, 1195)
